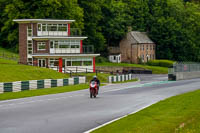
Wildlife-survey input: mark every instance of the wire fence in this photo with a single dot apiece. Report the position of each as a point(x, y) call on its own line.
point(184, 67)
point(9, 56)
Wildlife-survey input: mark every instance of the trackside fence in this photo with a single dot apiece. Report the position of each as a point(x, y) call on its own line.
point(120, 78)
point(7, 56)
point(39, 84)
point(184, 70)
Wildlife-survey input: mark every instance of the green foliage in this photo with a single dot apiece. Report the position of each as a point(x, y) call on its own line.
point(179, 114)
point(174, 25)
point(162, 63)
point(18, 9)
point(92, 16)
point(101, 59)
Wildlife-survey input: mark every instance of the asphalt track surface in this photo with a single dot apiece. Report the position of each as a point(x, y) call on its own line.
point(75, 112)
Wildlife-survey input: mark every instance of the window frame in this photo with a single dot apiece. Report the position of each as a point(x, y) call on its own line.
point(41, 43)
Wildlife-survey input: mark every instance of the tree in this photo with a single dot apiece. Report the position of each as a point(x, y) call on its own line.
point(115, 21)
point(92, 16)
point(56, 9)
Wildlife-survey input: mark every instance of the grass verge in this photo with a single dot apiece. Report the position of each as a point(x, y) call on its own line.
point(155, 69)
point(39, 92)
point(11, 71)
point(178, 114)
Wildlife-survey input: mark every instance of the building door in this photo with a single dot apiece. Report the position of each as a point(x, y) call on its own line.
point(41, 62)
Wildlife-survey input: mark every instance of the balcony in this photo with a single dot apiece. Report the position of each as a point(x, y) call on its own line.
point(74, 32)
point(88, 49)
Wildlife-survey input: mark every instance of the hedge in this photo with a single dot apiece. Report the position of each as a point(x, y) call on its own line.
point(162, 63)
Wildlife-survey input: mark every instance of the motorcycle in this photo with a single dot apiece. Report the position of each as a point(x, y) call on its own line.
point(93, 89)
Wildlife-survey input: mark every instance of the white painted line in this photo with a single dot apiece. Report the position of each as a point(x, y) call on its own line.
point(89, 131)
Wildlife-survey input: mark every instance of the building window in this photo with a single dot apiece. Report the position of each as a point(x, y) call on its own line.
point(30, 46)
point(41, 45)
point(68, 63)
point(30, 61)
point(39, 27)
point(87, 63)
point(29, 30)
point(44, 27)
point(65, 44)
point(53, 62)
point(114, 57)
point(76, 63)
point(53, 27)
point(153, 47)
point(147, 47)
point(150, 47)
point(51, 44)
point(143, 47)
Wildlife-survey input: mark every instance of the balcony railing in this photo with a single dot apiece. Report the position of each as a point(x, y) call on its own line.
point(87, 49)
point(73, 32)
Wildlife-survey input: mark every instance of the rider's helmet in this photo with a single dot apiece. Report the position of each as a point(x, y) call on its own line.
point(94, 77)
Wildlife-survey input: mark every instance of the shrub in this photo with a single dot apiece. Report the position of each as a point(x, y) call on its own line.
point(101, 59)
point(162, 63)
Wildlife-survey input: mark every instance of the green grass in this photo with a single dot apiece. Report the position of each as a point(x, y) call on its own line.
point(39, 92)
point(11, 71)
point(8, 52)
point(179, 114)
point(155, 69)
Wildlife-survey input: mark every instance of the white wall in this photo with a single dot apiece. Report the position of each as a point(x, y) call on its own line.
point(117, 58)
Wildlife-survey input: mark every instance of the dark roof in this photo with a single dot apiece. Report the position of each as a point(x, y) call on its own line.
point(141, 37)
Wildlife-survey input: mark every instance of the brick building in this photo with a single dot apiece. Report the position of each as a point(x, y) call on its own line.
point(137, 46)
point(53, 44)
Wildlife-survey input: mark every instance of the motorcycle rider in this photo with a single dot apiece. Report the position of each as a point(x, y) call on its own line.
point(96, 80)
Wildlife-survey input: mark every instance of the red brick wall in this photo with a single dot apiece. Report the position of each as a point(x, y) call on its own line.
point(34, 29)
point(150, 51)
point(23, 43)
point(35, 62)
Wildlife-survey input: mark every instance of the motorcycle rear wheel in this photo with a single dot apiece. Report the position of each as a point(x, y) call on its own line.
point(90, 94)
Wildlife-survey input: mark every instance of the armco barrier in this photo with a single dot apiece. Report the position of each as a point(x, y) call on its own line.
point(39, 84)
point(120, 78)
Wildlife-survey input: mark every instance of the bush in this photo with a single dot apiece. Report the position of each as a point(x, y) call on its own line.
point(162, 63)
point(101, 59)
